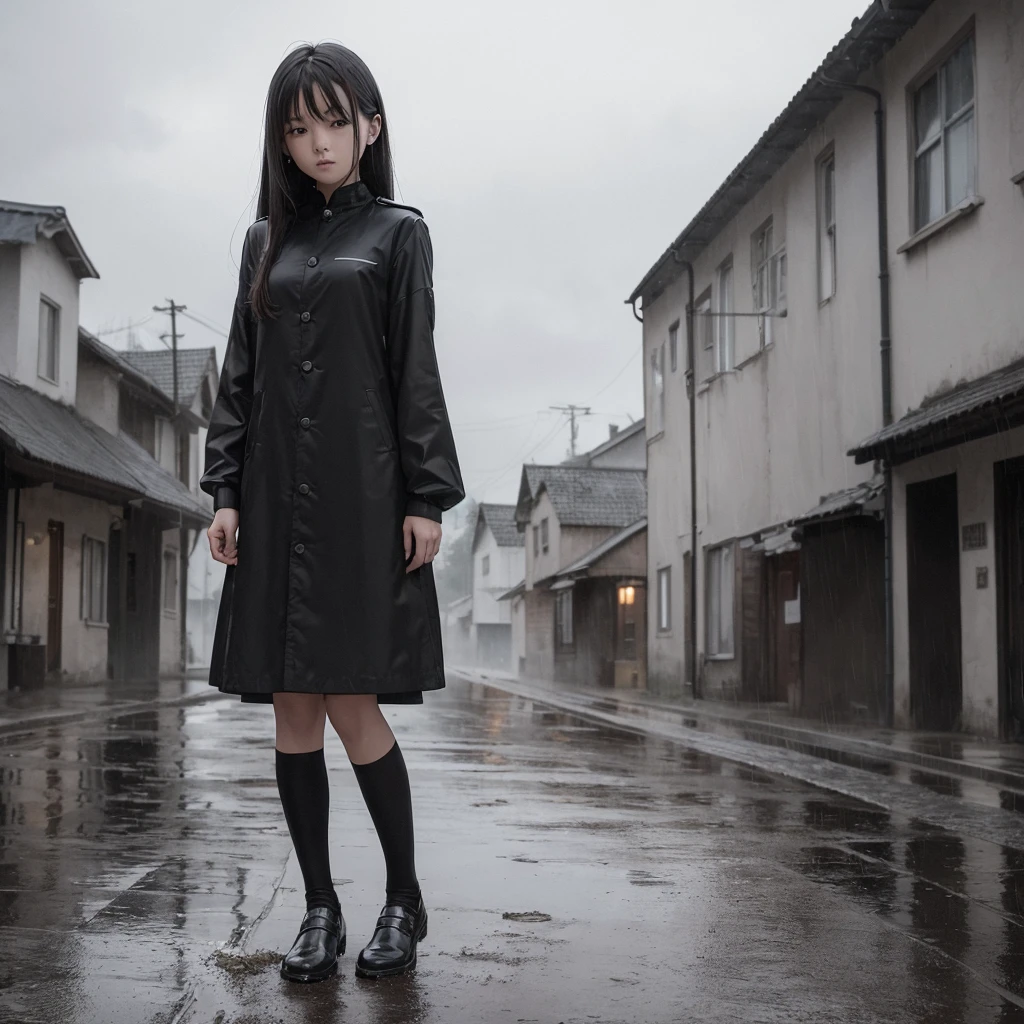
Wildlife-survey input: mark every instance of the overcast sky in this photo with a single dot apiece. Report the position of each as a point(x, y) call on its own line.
point(555, 148)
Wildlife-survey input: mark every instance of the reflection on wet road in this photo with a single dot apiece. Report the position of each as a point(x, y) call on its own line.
point(572, 873)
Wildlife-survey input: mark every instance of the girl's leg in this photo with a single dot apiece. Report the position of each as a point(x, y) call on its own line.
point(302, 784)
point(384, 782)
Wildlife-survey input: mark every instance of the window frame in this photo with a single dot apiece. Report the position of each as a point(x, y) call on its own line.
point(657, 364)
point(934, 70)
point(825, 170)
point(716, 602)
point(664, 591)
point(485, 565)
point(545, 535)
point(53, 341)
point(768, 265)
point(723, 323)
point(169, 608)
point(90, 549)
point(673, 345)
point(564, 637)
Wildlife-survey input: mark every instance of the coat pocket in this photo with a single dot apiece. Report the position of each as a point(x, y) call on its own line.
point(252, 431)
point(383, 423)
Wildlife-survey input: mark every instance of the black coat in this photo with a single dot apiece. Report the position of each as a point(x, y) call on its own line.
point(329, 427)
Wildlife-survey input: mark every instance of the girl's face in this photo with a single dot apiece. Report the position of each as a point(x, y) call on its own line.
point(323, 148)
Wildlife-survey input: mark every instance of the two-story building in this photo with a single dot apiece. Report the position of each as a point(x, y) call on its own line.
point(98, 516)
point(583, 596)
point(498, 564)
point(854, 290)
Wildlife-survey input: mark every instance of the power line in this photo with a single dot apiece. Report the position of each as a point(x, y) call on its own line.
point(574, 429)
point(205, 322)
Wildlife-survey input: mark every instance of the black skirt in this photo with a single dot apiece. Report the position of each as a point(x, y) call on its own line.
point(405, 697)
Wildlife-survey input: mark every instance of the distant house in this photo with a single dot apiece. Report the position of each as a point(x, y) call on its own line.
point(498, 563)
point(98, 512)
point(586, 568)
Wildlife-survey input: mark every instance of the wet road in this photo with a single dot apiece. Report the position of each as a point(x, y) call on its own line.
point(572, 873)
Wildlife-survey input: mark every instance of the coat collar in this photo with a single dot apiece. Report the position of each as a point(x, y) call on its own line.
point(310, 201)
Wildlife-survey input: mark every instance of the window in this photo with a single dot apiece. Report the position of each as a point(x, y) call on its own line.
point(49, 339)
point(665, 599)
point(544, 535)
point(945, 155)
point(158, 437)
point(536, 541)
point(724, 323)
point(184, 462)
point(658, 389)
point(826, 227)
point(703, 322)
point(485, 565)
point(720, 602)
point(170, 579)
point(93, 598)
point(769, 266)
point(673, 345)
point(563, 617)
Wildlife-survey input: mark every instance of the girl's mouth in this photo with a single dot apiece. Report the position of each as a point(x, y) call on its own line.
point(325, 163)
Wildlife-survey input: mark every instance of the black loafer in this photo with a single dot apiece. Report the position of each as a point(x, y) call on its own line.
point(392, 949)
point(321, 940)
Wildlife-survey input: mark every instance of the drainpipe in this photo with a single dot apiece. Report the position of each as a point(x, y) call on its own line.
point(691, 394)
point(885, 351)
point(691, 376)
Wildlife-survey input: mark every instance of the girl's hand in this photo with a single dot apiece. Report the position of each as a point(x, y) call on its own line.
point(223, 533)
point(427, 535)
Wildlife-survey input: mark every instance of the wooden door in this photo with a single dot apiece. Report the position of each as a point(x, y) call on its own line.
point(55, 597)
point(786, 627)
point(933, 602)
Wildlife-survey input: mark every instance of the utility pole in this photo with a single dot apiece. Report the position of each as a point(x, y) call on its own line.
point(572, 410)
point(183, 533)
point(174, 310)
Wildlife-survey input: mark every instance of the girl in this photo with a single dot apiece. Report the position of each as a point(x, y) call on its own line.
point(329, 444)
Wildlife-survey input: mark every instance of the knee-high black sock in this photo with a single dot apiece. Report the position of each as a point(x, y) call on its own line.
point(306, 799)
point(385, 787)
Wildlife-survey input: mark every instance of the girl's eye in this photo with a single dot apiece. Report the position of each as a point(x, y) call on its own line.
point(342, 122)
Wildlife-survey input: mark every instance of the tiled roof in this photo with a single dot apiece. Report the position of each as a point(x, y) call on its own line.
point(588, 496)
point(971, 409)
point(193, 365)
point(502, 521)
point(616, 439)
point(101, 349)
point(50, 432)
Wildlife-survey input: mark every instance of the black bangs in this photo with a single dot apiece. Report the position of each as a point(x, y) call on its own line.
point(329, 66)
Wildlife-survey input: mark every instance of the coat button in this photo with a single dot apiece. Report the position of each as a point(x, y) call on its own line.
point(304, 422)
point(311, 262)
point(307, 365)
point(299, 548)
point(305, 317)
point(328, 214)
point(303, 488)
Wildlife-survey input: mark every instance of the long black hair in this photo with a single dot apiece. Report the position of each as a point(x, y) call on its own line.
point(322, 64)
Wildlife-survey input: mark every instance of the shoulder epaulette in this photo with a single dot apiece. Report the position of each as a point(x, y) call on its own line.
point(404, 206)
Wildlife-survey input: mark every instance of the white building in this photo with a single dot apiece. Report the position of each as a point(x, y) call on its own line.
point(790, 531)
point(96, 464)
point(499, 559)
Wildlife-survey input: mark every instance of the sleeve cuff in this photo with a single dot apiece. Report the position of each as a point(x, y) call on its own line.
point(225, 497)
point(420, 507)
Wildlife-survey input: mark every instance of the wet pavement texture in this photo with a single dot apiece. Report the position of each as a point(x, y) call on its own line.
point(572, 871)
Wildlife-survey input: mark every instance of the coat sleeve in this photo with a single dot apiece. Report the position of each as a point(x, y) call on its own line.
point(229, 420)
point(430, 465)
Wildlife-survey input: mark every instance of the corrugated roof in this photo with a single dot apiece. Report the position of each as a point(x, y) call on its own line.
point(595, 554)
point(23, 223)
point(869, 39)
point(50, 432)
point(586, 495)
point(193, 365)
point(502, 522)
point(969, 410)
point(519, 588)
point(863, 497)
